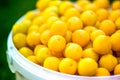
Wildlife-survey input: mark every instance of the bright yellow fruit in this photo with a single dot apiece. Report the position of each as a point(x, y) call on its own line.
point(73, 51)
point(64, 6)
point(102, 44)
point(57, 43)
point(102, 72)
point(108, 27)
point(33, 39)
point(33, 59)
point(89, 18)
point(39, 20)
point(117, 23)
point(42, 4)
point(31, 14)
point(91, 6)
point(102, 14)
point(74, 23)
point(90, 53)
point(83, 3)
point(68, 65)
point(96, 33)
point(117, 69)
point(44, 37)
point(21, 27)
point(108, 61)
point(87, 67)
point(71, 12)
point(58, 28)
point(80, 37)
point(114, 15)
point(102, 3)
point(115, 38)
point(33, 28)
point(116, 5)
point(42, 54)
point(68, 36)
point(51, 63)
point(90, 29)
point(25, 51)
point(37, 48)
point(19, 40)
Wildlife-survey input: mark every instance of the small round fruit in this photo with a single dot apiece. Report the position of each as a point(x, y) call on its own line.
point(81, 37)
point(68, 65)
point(51, 63)
point(71, 12)
point(108, 27)
point(96, 33)
point(117, 23)
point(114, 15)
point(58, 28)
point(33, 59)
point(74, 23)
point(73, 51)
point(90, 53)
point(89, 18)
point(44, 37)
point(117, 69)
point(102, 44)
point(25, 51)
point(87, 67)
point(42, 54)
point(102, 14)
point(115, 38)
point(108, 61)
point(57, 43)
point(102, 72)
point(116, 5)
point(19, 40)
point(33, 39)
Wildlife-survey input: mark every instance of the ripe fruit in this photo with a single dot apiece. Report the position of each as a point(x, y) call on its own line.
point(57, 43)
point(44, 37)
point(42, 54)
point(19, 40)
point(117, 22)
point(25, 51)
point(73, 51)
point(89, 18)
point(102, 72)
point(116, 5)
point(87, 67)
point(74, 23)
point(33, 39)
point(58, 28)
point(102, 14)
point(90, 53)
point(68, 65)
point(52, 63)
point(115, 38)
point(96, 33)
point(33, 59)
point(108, 27)
point(80, 37)
point(117, 69)
point(108, 61)
point(71, 12)
point(102, 44)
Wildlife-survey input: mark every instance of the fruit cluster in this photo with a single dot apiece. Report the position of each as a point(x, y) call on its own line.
point(80, 38)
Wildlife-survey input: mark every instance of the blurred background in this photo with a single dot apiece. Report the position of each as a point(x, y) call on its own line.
point(10, 12)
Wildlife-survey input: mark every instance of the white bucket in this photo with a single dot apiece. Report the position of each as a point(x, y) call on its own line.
point(26, 70)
